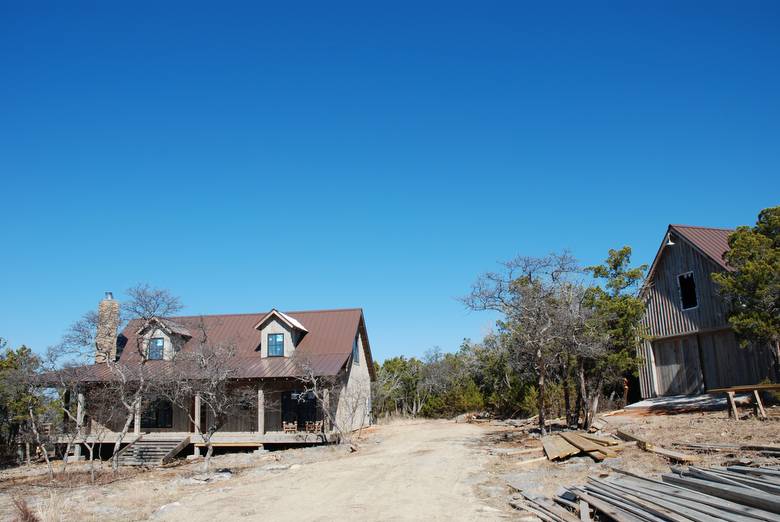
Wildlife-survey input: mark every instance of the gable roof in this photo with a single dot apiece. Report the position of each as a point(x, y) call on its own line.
point(167, 325)
point(327, 346)
point(710, 242)
point(291, 322)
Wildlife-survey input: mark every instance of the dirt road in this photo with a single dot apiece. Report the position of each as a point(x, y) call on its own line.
point(417, 471)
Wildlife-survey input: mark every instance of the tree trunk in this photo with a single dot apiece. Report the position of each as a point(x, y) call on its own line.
point(777, 360)
point(39, 443)
point(540, 399)
point(209, 450)
point(583, 394)
point(118, 443)
point(593, 403)
point(566, 393)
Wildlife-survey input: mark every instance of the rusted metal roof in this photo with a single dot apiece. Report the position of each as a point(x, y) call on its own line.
point(713, 242)
point(326, 346)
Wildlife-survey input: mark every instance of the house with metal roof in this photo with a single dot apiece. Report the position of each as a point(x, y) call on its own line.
point(271, 356)
point(691, 347)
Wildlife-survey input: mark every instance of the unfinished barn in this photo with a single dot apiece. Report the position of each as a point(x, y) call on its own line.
point(691, 347)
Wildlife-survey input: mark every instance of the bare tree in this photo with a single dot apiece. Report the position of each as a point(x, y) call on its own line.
point(342, 399)
point(207, 372)
point(527, 292)
point(128, 380)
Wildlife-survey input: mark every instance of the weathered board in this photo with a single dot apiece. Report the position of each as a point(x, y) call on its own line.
point(557, 448)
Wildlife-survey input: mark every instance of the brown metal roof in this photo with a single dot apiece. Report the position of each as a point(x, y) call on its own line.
point(327, 346)
point(713, 242)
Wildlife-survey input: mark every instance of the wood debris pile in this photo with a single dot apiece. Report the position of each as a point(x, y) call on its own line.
point(569, 443)
point(734, 493)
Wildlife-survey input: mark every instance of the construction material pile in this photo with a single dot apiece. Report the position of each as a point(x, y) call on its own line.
point(734, 493)
point(568, 443)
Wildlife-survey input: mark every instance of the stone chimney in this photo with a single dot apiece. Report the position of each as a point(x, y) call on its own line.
point(108, 323)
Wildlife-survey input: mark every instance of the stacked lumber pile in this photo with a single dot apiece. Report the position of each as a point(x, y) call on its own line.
point(568, 443)
point(735, 493)
point(766, 450)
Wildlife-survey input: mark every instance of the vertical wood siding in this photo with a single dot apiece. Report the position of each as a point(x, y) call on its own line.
point(664, 315)
point(694, 349)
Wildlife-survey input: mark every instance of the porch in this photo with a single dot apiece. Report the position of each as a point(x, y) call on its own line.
point(271, 414)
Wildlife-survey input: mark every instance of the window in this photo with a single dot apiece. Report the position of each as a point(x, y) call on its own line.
point(687, 291)
point(275, 345)
point(355, 352)
point(158, 413)
point(156, 348)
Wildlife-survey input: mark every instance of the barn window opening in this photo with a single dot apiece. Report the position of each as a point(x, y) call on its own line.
point(687, 291)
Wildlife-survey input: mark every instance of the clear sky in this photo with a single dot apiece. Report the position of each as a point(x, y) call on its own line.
point(314, 155)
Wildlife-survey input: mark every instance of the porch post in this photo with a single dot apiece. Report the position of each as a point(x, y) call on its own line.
point(80, 406)
point(326, 410)
point(196, 450)
point(260, 411)
point(137, 418)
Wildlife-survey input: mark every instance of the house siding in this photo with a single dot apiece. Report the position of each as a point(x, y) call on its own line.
point(354, 401)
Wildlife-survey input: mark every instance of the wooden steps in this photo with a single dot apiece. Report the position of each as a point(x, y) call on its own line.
point(151, 452)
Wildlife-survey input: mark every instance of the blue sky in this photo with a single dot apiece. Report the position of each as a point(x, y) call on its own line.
point(327, 155)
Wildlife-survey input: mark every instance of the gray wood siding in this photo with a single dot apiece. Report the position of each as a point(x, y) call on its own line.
point(727, 364)
point(677, 366)
point(668, 364)
point(664, 315)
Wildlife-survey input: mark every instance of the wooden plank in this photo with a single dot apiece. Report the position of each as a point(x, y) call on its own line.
point(732, 405)
point(605, 507)
point(603, 441)
point(584, 512)
point(679, 494)
point(645, 504)
point(699, 500)
point(530, 508)
point(757, 499)
point(747, 388)
point(587, 446)
point(687, 507)
point(556, 447)
point(529, 461)
point(649, 446)
point(759, 405)
point(755, 471)
point(548, 506)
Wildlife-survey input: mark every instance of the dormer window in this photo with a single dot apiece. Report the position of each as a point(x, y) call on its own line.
point(156, 349)
point(275, 345)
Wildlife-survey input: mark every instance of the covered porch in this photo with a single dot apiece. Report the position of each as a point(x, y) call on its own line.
point(265, 413)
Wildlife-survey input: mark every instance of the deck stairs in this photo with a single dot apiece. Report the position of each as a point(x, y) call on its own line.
point(152, 451)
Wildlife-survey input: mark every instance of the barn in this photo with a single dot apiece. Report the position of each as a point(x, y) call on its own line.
point(690, 346)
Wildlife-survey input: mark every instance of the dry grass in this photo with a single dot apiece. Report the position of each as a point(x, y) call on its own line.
point(25, 514)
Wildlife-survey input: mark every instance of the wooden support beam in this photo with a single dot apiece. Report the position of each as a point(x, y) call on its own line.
point(81, 403)
point(732, 405)
point(260, 411)
point(196, 414)
point(759, 405)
